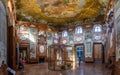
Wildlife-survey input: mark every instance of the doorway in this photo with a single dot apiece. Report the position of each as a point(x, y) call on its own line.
point(41, 59)
point(79, 53)
point(23, 53)
point(98, 52)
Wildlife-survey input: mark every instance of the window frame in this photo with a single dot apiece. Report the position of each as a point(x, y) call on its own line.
point(97, 28)
point(64, 34)
point(78, 30)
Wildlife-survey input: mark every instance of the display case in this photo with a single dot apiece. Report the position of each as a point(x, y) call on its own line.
point(60, 57)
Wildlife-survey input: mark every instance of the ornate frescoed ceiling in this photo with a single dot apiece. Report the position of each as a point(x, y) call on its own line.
point(59, 11)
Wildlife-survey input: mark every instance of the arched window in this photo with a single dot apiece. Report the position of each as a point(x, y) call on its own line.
point(56, 35)
point(78, 30)
point(64, 34)
point(97, 28)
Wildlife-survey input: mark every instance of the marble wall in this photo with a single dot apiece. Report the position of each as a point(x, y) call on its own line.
point(3, 33)
point(117, 28)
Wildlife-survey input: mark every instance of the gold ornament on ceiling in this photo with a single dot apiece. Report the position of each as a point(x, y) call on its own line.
point(60, 11)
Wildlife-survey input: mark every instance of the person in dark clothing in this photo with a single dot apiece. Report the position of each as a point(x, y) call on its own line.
point(21, 66)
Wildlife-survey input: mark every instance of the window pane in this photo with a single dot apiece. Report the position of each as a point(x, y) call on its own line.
point(78, 30)
point(97, 29)
point(64, 34)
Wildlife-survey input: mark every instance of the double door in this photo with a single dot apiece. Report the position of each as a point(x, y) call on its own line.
point(98, 53)
point(79, 53)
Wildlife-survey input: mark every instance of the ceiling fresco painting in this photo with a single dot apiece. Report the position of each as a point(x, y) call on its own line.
point(61, 8)
point(60, 11)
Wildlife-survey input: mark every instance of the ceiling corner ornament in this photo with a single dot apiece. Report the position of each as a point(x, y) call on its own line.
point(58, 11)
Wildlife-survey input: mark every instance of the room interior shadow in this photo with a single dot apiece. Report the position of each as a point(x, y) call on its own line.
point(41, 60)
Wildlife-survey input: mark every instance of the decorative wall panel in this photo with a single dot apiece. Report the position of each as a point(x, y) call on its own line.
point(49, 38)
point(88, 46)
point(78, 39)
point(88, 49)
point(71, 38)
point(32, 37)
point(88, 35)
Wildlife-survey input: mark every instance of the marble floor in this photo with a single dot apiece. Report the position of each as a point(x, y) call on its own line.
point(83, 69)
